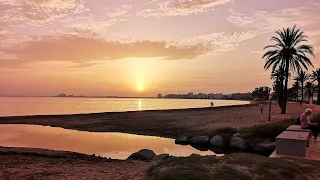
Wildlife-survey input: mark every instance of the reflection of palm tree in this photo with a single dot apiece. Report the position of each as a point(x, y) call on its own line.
point(316, 77)
point(286, 53)
point(302, 77)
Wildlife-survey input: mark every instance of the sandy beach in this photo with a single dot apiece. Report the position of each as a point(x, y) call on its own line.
point(165, 123)
point(28, 163)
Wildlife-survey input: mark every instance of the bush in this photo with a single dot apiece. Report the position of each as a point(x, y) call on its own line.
point(270, 130)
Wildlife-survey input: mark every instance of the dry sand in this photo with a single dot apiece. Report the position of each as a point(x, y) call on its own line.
point(23, 163)
point(166, 123)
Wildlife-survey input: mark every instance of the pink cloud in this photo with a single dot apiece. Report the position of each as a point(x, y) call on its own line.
point(181, 7)
point(39, 12)
point(84, 50)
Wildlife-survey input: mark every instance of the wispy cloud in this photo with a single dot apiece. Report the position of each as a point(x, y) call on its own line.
point(83, 50)
point(39, 12)
point(181, 7)
point(220, 42)
point(84, 47)
point(264, 21)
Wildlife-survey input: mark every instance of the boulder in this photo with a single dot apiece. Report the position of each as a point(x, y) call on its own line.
point(217, 141)
point(143, 154)
point(238, 143)
point(236, 135)
point(182, 140)
point(265, 147)
point(199, 140)
point(161, 157)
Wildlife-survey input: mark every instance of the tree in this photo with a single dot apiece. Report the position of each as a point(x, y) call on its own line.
point(286, 53)
point(261, 93)
point(296, 87)
point(279, 76)
point(316, 77)
point(302, 77)
point(309, 87)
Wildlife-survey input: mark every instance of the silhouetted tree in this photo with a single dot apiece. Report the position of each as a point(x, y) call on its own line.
point(261, 93)
point(296, 87)
point(286, 53)
point(279, 75)
point(310, 88)
point(302, 77)
point(316, 77)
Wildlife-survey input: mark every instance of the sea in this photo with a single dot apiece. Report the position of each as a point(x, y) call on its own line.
point(25, 106)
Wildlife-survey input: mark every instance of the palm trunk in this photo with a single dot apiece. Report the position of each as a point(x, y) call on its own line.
point(302, 94)
point(318, 97)
point(281, 93)
point(285, 93)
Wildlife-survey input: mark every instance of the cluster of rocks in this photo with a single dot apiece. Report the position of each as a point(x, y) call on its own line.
point(147, 155)
point(217, 141)
point(234, 142)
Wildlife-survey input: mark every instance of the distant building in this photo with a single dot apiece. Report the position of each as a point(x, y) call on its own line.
point(159, 95)
point(190, 95)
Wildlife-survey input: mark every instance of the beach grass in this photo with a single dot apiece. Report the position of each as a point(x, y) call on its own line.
point(232, 167)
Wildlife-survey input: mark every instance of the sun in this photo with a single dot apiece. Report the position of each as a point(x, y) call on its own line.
point(140, 87)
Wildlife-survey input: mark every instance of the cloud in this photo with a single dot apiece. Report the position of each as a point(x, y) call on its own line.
point(83, 47)
point(39, 12)
point(181, 7)
point(85, 50)
point(264, 21)
point(220, 42)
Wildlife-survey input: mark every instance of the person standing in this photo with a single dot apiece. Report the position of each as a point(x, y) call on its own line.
point(211, 104)
point(261, 108)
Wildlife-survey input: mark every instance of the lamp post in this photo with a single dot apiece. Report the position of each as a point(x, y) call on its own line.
point(269, 115)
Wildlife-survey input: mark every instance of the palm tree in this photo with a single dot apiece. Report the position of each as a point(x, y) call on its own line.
point(286, 53)
point(278, 76)
point(296, 87)
point(316, 77)
point(309, 87)
point(302, 77)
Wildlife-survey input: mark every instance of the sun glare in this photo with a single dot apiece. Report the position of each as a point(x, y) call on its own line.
point(140, 87)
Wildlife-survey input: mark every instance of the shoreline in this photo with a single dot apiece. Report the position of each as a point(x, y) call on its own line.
point(163, 123)
point(116, 112)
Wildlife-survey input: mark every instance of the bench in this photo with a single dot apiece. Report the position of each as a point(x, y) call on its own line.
point(298, 128)
point(292, 143)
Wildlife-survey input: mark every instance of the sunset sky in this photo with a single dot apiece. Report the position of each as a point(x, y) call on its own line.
point(143, 47)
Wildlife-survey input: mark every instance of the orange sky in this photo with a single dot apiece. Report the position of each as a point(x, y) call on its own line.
point(100, 47)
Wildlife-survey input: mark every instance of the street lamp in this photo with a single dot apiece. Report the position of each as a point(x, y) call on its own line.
point(269, 115)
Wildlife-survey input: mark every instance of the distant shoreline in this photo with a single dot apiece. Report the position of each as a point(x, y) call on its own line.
point(118, 97)
point(155, 110)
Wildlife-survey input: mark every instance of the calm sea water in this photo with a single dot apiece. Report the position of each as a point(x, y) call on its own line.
point(114, 145)
point(20, 106)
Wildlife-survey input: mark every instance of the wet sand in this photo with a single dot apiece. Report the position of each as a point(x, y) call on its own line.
point(165, 123)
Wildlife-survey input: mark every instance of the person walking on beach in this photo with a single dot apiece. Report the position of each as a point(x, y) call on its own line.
point(306, 124)
point(211, 104)
point(261, 108)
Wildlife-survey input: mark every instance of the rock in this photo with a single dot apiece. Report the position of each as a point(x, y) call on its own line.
point(265, 147)
point(143, 154)
point(182, 140)
point(217, 141)
point(199, 140)
point(161, 157)
point(238, 143)
point(217, 150)
point(236, 135)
